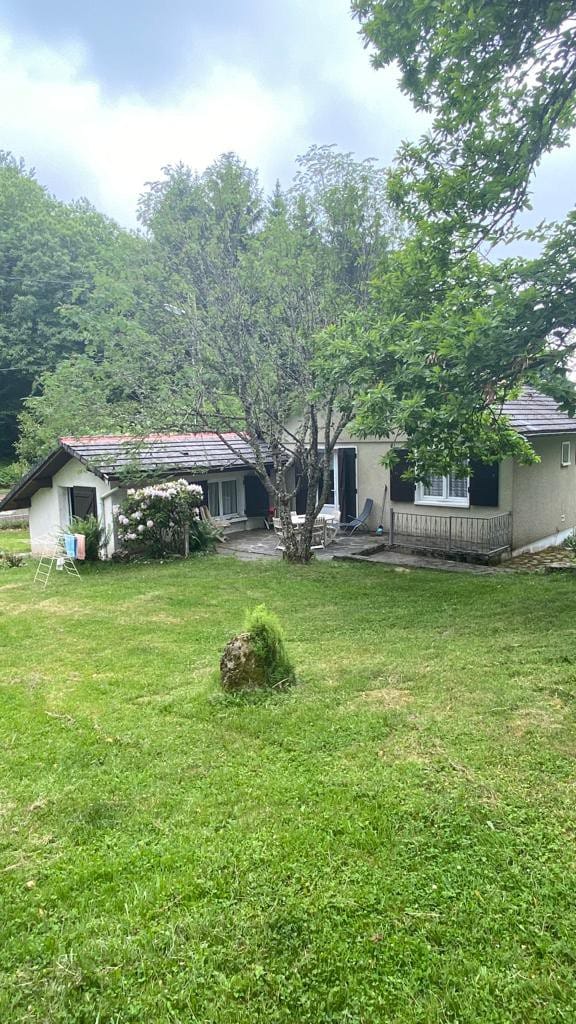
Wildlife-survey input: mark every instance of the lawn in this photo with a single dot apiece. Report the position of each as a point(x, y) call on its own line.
point(17, 540)
point(391, 841)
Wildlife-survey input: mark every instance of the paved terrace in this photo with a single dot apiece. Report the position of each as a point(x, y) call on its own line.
point(364, 547)
point(263, 544)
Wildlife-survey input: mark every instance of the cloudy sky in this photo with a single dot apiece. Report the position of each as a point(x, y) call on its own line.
point(99, 96)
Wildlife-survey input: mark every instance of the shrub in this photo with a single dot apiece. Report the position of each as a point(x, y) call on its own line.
point(570, 543)
point(10, 474)
point(13, 523)
point(93, 530)
point(154, 519)
point(267, 638)
point(11, 559)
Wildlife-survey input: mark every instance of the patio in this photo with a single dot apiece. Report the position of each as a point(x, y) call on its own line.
point(263, 544)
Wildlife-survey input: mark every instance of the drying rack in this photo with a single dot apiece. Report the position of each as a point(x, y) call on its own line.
point(53, 557)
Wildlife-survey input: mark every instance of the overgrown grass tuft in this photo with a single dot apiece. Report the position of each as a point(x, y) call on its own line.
point(389, 841)
point(268, 640)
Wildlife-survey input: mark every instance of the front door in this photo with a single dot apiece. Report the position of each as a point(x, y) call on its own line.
point(346, 476)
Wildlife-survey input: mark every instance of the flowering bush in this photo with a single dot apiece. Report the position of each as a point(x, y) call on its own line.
point(156, 518)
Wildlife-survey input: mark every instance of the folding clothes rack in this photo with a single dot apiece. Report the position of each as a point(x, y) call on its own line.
point(53, 556)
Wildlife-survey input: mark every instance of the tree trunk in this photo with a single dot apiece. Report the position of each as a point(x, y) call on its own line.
point(298, 540)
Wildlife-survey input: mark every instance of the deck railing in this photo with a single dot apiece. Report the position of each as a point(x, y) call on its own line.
point(452, 533)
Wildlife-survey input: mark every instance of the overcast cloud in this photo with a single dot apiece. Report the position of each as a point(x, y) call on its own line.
point(98, 97)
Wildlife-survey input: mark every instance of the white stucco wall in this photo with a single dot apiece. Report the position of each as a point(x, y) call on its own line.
point(49, 510)
point(49, 506)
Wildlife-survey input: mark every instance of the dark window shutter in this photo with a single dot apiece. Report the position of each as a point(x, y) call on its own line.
point(401, 490)
point(484, 484)
point(302, 491)
point(204, 485)
point(256, 496)
point(84, 502)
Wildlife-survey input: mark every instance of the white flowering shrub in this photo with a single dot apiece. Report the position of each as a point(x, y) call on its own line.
point(154, 519)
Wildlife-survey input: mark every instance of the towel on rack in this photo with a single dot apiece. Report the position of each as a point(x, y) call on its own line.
point(70, 545)
point(80, 546)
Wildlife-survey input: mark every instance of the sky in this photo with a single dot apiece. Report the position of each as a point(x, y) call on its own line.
point(99, 96)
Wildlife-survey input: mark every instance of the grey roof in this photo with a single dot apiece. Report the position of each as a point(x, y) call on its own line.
point(168, 454)
point(534, 413)
point(107, 455)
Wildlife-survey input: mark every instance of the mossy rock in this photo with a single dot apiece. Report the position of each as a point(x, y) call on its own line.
point(242, 665)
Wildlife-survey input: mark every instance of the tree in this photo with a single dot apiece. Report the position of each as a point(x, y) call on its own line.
point(50, 255)
point(131, 372)
point(267, 281)
point(499, 80)
point(451, 335)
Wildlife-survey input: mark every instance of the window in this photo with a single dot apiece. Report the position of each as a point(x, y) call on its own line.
point(229, 498)
point(82, 502)
point(443, 490)
point(222, 497)
point(566, 454)
point(214, 498)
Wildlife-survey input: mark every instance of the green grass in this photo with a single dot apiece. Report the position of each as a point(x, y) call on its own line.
point(15, 540)
point(390, 841)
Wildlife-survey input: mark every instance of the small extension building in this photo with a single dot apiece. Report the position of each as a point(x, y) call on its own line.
point(87, 476)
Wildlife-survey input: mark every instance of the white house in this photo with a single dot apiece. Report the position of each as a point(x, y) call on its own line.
point(86, 476)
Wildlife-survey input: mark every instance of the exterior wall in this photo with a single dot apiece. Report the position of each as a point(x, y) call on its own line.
point(240, 522)
point(49, 506)
point(541, 497)
point(544, 509)
point(373, 478)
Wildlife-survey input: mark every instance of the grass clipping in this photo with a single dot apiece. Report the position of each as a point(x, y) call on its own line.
point(257, 658)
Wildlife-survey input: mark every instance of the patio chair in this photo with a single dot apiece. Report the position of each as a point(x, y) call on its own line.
point(330, 512)
point(277, 527)
point(318, 535)
point(353, 525)
point(330, 515)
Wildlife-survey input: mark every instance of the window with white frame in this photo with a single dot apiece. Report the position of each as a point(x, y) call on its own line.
point(223, 497)
point(443, 490)
point(566, 458)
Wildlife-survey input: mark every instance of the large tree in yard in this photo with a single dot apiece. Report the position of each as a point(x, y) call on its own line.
point(454, 330)
point(267, 283)
point(131, 372)
point(50, 255)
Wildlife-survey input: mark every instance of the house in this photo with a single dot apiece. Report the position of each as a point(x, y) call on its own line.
point(86, 476)
point(496, 511)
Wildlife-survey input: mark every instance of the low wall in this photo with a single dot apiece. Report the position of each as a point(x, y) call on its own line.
point(18, 517)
